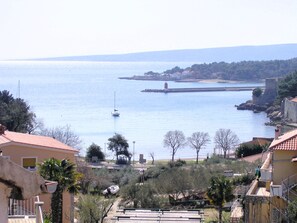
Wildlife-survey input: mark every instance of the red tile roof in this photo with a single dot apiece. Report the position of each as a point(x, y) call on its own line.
point(287, 141)
point(33, 140)
point(294, 99)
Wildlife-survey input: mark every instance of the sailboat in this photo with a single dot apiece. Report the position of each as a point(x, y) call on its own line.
point(115, 112)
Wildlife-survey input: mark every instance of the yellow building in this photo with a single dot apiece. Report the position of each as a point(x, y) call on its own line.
point(28, 150)
point(268, 197)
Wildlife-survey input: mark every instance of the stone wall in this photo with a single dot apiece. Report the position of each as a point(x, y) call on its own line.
point(269, 94)
point(290, 110)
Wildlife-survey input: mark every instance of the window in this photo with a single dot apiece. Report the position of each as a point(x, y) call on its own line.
point(29, 163)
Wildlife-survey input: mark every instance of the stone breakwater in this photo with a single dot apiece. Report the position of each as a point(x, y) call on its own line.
point(209, 89)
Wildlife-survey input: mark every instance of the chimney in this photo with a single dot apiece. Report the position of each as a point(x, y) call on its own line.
point(277, 132)
point(2, 129)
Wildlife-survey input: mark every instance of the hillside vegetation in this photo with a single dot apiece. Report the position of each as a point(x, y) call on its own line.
point(240, 71)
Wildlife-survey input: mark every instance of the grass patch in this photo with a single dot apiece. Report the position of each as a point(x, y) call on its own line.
point(212, 215)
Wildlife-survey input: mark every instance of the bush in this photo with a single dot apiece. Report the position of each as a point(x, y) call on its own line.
point(93, 208)
point(215, 159)
point(257, 92)
point(247, 150)
point(154, 172)
point(244, 179)
point(177, 163)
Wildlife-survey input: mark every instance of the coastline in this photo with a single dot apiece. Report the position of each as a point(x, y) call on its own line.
point(211, 81)
point(189, 80)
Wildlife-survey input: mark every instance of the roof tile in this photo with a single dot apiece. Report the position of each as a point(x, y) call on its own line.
point(34, 140)
point(287, 141)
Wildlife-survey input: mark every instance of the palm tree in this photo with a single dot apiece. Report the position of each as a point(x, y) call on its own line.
point(63, 172)
point(219, 192)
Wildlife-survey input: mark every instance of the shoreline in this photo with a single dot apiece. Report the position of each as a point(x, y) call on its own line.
point(190, 80)
point(211, 81)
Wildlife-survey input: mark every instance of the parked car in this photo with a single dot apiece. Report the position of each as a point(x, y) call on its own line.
point(113, 189)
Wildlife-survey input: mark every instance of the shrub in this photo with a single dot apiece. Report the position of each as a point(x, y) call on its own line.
point(247, 150)
point(257, 92)
point(177, 163)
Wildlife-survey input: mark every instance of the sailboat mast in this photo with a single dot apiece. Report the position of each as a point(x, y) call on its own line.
point(114, 102)
point(19, 89)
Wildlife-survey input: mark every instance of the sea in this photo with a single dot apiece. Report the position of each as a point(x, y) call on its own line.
point(81, 94)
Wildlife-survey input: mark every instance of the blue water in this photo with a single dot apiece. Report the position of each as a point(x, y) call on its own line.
point(81, 94)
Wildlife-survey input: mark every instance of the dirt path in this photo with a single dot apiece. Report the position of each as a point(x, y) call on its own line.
point(113, 210)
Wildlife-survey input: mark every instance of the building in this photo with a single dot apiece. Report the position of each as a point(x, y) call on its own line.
point(19, 183)
point(28, 150)
point(290, 109)
point(268, 197)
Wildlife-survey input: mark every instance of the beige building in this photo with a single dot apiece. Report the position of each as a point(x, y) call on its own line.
point(28, 150)
point(268, 197)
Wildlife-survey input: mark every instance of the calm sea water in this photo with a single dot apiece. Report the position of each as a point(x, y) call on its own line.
point(81, 94)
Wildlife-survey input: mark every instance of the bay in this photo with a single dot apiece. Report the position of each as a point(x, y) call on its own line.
point(81, 94)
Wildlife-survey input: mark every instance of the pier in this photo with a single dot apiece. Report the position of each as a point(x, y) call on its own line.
point(208, 89)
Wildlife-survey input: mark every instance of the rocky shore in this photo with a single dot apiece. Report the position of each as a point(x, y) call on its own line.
point(273, 111)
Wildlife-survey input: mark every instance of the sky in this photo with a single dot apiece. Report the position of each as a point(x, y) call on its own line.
point(51, 28)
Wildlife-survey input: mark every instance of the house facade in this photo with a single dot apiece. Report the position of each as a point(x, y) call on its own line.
point(29, 150)
point(268, 198)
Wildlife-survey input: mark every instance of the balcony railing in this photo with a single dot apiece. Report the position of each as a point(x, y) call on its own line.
point(266, 175)
point(30, 208)
point(275, 190)
point(288, 184)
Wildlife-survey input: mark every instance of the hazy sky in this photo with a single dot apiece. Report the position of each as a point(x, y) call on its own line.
point(46, 28)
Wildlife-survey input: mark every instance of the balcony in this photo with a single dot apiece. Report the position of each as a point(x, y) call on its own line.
point(276, 190)
point(25, 211)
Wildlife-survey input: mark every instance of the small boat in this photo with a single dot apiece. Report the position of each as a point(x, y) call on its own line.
point(115, 112)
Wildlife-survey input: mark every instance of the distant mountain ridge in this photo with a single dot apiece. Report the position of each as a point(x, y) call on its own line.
point(207, 55)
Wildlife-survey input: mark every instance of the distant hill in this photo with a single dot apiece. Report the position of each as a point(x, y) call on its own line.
point(208, 55)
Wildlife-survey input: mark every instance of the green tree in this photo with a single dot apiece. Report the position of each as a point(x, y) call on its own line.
point(94, 151)
point(197, 141)
point(287, 87)
point(142, 195)
point(93, 209)
point(174, 140)
point(15, 114)
point(292, 211)
point(175, 182)
point(220, 192)
point(119, 145)
point(257, 92)
point(63, 172)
